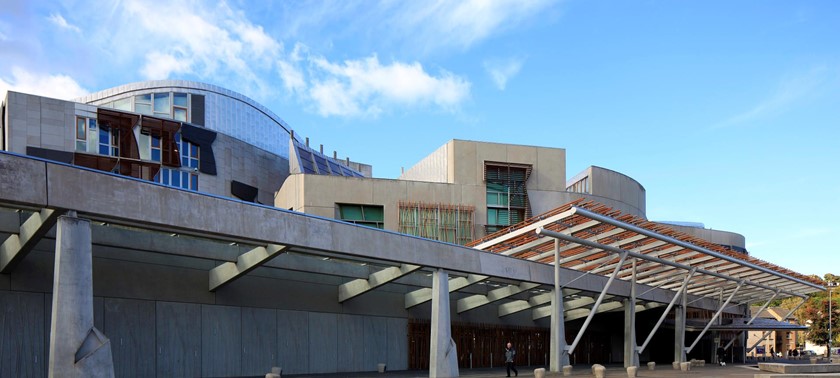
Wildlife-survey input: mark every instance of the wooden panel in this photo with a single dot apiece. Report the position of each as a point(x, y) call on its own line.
point(127, 323)
point(178, 333)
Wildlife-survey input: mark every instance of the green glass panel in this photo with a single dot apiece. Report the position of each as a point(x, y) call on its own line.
point(350, 212)
point(374, 213)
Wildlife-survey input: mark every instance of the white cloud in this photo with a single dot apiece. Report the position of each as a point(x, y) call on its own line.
point(790, 90)
point(292, 77)
point(59, 21)
point(461, 23)
point(56, 86)
point(189, 38)
point(365, 86)
point(502, 71)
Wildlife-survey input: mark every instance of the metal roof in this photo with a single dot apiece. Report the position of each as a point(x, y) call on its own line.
point(591, 237)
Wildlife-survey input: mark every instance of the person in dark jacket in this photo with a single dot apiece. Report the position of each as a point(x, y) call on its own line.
point(510, 353)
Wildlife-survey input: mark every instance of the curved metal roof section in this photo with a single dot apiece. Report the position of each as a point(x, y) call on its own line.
point(591, 237)
point(116, 92)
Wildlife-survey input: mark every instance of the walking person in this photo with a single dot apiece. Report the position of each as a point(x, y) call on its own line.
point(510, 353)
point(772, 353)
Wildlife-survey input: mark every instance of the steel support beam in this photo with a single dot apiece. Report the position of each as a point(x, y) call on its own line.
point(680, 293)
point(246, 262)
point(17, 246)
point(360, 286)
point(631, 358)
point(764, 336)
point(655, 235)
point(767, 303)
point(717, 314)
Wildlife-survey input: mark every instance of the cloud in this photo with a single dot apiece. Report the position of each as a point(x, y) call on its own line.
point(460, 23)
point(59, 21)
point(365, 86)
point(56, 86)
point(189, 38)
point(502, 71)
point(789, 91)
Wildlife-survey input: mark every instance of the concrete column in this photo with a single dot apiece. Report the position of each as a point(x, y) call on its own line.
point(679, 330)
point(443, 357)
point(77, 349)
point(557, 341)
point(631, 357)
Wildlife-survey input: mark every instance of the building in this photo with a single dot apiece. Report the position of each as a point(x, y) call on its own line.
point(206, 216)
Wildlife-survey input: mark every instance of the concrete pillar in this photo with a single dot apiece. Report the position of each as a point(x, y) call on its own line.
point(443, 357)
point(679, 330)
point(77, 349)
point(558, 356)
point(631, 357)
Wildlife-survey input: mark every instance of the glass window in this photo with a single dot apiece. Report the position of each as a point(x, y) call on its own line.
point(180, 114)
point(189, 154)
point(180, 99)
point(109, 142)
point(177, 178)
point(161, 103)
point(123, 104)
point(155, 142)
point(93, 137)
point(143, 104)
point(366, 215)
point(81, 134)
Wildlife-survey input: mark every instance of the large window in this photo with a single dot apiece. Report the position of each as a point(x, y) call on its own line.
point(366, 215)
point(180, 106)
point(177, 178)
point(109, 142)
point(507, 199)
point(448, 223)
point(188, 151)
point(172, 105)
point(143, 104)
point(87, 137)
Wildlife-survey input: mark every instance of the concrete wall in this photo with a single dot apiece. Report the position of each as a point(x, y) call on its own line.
point(39, 122)
point(432, 168)
point(49, 123)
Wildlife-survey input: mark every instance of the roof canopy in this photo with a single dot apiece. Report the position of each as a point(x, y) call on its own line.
point(590, 238)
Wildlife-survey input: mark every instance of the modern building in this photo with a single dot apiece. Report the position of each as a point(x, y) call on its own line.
point(222, 245)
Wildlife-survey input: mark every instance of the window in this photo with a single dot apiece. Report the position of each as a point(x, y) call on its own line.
point(81, 134)
point(123, 104)
point(507, 199)
point(143, 104)
point(448, 223)
point(177, 178)
point(365, 215)
point(155, 145)
point(189, 152)
point(161, 103)
point(109, 142)
point(180, 106)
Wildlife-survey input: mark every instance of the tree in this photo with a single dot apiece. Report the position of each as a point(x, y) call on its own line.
point(814, 313)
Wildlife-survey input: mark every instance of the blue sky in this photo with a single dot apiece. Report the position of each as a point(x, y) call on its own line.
point(727, 112)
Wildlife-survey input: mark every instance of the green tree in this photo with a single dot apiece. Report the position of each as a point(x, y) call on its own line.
point(815, 314)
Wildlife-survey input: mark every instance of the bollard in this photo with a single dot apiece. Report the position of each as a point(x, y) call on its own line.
point(651, 365)
point(685, 366)
point(599, 370)
point(380, 367)
point(676, 365)
point(539, 373)
point(567, 370)
point(631, 371)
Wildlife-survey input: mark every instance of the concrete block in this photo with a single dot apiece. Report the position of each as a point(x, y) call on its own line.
point(272, 375)
point(676, 365)
point(539, 373)
point(567, 370)
point(276, 370)
point(651, 365)
point(599, 371)
point(685, 366)
point(631, 371)
point(380, 367)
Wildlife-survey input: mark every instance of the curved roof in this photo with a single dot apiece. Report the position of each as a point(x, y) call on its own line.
point(115, 92)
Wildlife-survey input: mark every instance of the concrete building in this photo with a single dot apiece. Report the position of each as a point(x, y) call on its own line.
point(222, 244)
